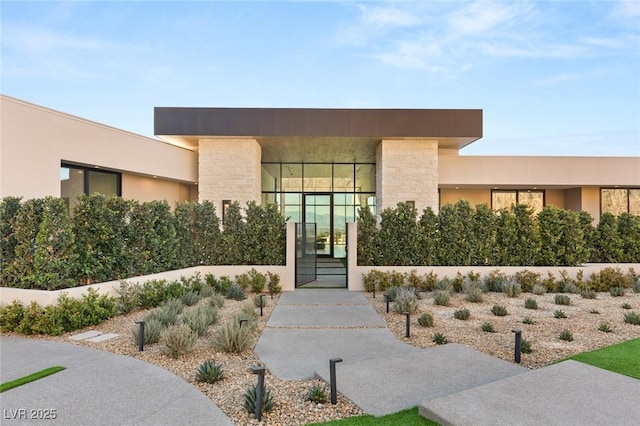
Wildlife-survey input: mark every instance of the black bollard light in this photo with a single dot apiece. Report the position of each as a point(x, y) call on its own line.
point(408, 325)
point(141, 335)
point(386, 299)
point(332, 379)
point(374, 291)
point(518, 345)
point(261, 303)
point(259, 391)
point(242, 321)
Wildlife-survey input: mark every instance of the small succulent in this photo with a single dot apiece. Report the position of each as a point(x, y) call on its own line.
point(525, 346)
point(528, 321)
point(589, 294)
point(604, 327)
point(632, 318)
point(251, 396)
point(462, 314)
point(559, 314)
point(487, 327)
point(441, 297)
point(235, 292)
point(530, 304)
point(625, 306)
point(617, 291)
point(425, 320)
point(209, 372)
point(317, 393)
point(562, 299)
point(440, 339)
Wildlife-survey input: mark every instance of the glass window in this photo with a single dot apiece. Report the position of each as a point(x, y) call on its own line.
point(634, 201)
point(533, 199)
point(102, 183)
point(620, 200)
point(343, 178)
point(503, 199)
point(317, 178)
point(76, 180)
point(291, 177)
point(271, 177)
point(365, 177)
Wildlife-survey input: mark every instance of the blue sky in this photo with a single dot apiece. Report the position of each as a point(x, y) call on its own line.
point(553, 78)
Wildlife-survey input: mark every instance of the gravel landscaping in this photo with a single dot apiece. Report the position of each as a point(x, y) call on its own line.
point(291, 404)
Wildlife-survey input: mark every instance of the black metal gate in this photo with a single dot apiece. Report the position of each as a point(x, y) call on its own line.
point(306, 253)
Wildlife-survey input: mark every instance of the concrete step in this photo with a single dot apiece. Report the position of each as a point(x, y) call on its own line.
point(93, 336)
point(568, 393)
point(392, 382)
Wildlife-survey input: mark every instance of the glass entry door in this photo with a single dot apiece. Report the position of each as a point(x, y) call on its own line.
point(317, 209)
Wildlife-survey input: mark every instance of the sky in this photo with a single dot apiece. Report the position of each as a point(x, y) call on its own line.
point(552, 78)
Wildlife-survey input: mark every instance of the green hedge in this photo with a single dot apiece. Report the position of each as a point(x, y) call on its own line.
point(44, 246)
point(463, 236)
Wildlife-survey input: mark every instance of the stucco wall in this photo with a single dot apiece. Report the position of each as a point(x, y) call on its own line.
point(407, 170)
point(229, 169)
point(143, 188)
point(35, 140)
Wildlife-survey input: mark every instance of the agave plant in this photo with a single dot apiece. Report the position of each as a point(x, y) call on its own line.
point(209, 372)
point(251, 396)
point(317, 393)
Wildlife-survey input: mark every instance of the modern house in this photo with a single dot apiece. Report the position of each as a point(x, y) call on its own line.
point(317, 165)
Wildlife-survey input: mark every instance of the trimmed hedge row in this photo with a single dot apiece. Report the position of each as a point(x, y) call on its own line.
point(44, 246)
point(463, 236)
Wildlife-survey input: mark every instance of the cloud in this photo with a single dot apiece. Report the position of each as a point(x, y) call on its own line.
point(626, 9)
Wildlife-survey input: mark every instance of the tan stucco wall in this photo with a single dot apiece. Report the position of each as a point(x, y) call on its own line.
point(229, 169)
point(35, 140)
point(527, 172)
point(591, 202)
point(407, 170)
point(143, 188)
point(555, 197)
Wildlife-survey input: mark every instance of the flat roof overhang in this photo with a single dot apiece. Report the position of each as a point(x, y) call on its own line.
point(323, 135)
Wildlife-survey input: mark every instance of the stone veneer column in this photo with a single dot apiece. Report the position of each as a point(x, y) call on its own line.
point(229, 169)
point(407, 170)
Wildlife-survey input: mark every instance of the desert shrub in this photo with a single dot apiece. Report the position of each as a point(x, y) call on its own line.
point(405, 301)
point(396, 278)
point(588, 294)
point(153, 292)
point(562, 299)
point(257, 281)
point(530, 304)
point(167, 313)
point(445, 284)
point(494, 280)
point(126, 297)
point(243, 281)
point(441, 297)
point(474, 277)
point(11, 316)
point(232, 337)
point(199, 319)
point(559, 314)
point(392, 293)
point(475, 295)
point(413, 279)
point(511, 288)
point(572, 288)
point(274, 283)
point(550, 283)
point(190, 298)
point(248, 311)
point(257, 300)
point(538, 289)
point(440, 339)
point(317, 393)
point(525, 346)
point(209, 372)
point(528, 321)
point(487, 327)
point(429, 281)
point(206, 291)
point(251, 396)
point(426, 319)
point(152, 331)
point(216, 300)
point(527, 279)
point(235, 292)
point(458, 282)
point(566, 335)
point(370, 280)
point(462, 314)
point(499, 310)
point(636, 287)
point(604, 327)
point(632, 318)
point(617, 291)
point(177, 340)
point(606, 279)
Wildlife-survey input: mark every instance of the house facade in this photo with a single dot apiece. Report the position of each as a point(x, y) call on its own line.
point(317, 165)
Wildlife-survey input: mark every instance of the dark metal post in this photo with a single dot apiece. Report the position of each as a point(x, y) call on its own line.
point(518, 346)
point(259, 391)
point(332, 379)
point(408, 325)
point(386, 299)
point(374, 290)
point(141, 335)
point(261, 296)
point(243, 321)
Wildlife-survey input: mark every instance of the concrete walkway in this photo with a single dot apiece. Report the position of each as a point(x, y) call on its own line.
point(452, 384)
point(97, 388)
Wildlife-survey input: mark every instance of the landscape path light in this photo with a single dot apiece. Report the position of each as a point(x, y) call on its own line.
point(259, 370)
point(517, 350)
point(332, 379)
point(141, 335)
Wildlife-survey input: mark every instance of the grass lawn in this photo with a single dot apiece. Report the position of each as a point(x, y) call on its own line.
point(30, 378)
point(621, 358)
point(409, 417)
